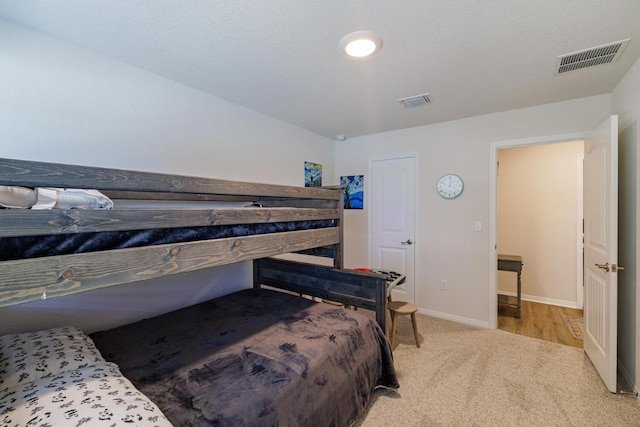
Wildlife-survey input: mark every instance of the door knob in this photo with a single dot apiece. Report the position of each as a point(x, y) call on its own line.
point(407, 242)
point(605, 267)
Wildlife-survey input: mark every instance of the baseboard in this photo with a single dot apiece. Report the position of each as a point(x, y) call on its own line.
point(454, 318)
point(543, 300)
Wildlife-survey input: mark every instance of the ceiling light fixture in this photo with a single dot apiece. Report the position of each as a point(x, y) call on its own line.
point(361, 44)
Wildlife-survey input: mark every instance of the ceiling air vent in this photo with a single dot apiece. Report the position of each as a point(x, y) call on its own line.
point(415, 101)
point(598, 55)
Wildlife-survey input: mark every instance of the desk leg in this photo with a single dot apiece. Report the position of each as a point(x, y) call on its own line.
point(519, 303)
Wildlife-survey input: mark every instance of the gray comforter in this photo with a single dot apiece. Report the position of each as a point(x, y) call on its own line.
point(255, 358)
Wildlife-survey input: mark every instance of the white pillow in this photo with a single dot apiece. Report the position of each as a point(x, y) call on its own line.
point(57, 377)
point(93, 396)
point(71, 198)
point(17, 197)
point(28, 356)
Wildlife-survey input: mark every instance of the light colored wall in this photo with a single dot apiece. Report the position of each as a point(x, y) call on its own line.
point(65, 104)
point(60, 103)
point(626, 104)
point(448, 247)
point(538, 194)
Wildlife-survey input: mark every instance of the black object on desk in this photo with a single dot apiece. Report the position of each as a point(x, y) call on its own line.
point(511, 263)
point(392, 278)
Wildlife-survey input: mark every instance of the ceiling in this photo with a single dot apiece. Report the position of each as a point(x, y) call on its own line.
point(281, 57)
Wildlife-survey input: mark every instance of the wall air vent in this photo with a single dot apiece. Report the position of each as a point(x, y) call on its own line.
point(415, 101)
point(598, 55)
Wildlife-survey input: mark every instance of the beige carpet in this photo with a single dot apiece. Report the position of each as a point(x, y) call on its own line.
point(575, 325)
point(467, 376)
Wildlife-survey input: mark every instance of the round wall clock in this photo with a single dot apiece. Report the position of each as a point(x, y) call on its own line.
point(450, 186)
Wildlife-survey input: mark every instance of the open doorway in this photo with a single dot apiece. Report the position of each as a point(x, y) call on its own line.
point(539, 218)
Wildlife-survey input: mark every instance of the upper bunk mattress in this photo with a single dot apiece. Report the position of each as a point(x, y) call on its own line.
point(253, 358)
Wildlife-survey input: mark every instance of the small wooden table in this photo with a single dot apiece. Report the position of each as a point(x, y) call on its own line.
point(511, 263)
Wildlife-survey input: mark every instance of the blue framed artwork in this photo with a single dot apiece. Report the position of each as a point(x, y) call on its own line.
point(312, 174)
point(354, 193)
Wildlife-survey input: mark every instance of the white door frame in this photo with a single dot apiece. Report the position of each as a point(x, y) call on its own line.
point(416, 244)
point(580, 233)
point(493, 208)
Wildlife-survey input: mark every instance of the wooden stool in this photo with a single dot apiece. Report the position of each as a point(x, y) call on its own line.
point(397, 308)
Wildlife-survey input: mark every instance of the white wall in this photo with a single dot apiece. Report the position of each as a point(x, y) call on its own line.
point(448, 247)
point(538, 195)
point(626, 104)
point(60, 103)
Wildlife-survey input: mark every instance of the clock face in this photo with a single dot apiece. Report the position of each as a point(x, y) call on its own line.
point(450, 186)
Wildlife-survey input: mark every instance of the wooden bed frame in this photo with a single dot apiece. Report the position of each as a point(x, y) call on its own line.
point(27, 280)
point(349, 287)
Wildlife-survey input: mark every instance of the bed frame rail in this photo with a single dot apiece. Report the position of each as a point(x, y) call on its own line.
point(41, 278)
point(40, 174)
point(350, 287)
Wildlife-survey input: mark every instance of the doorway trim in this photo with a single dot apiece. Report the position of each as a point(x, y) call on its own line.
point(493, 207)
point(580, 233)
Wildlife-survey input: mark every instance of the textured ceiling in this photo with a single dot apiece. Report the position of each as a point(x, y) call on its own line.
point(281, 57)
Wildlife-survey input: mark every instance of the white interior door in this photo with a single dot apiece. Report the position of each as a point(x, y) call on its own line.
point(393, 247)
point(601, 249)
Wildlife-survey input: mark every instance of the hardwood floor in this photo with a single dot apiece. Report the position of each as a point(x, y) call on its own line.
point(543, 321)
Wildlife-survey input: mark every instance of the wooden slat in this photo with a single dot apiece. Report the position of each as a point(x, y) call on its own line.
point(202, 197)
point(298, 203)
point(33, 223)
point(325, 251)
point(338, 259)
point(29, 280)
point(40, 174)
point(349, 287)
point(197, 197)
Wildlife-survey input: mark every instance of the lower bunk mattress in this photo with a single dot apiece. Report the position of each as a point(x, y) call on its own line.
point(256, 357)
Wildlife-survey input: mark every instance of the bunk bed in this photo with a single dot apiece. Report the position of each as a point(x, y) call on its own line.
point(171, 224)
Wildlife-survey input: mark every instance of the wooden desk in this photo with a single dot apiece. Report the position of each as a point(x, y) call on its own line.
point(511, 263)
